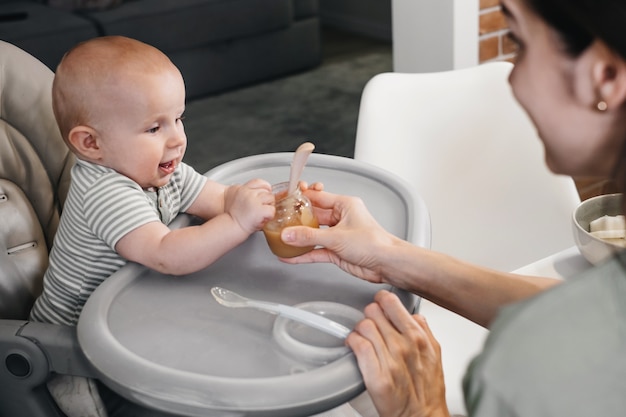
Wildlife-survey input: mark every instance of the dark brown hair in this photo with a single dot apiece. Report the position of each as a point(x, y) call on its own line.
point(579, 22)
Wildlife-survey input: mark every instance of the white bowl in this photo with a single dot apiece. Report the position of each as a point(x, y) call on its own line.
point(594, 249)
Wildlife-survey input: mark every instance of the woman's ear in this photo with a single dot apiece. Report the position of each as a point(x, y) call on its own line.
point(85, 141)
point(609, 80)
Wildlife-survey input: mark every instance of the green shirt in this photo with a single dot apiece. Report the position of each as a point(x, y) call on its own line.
point(561, 353)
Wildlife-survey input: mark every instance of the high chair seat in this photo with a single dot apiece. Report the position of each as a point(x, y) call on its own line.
point(34, 178)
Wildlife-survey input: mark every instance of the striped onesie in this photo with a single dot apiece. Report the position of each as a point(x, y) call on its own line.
point(102, 207)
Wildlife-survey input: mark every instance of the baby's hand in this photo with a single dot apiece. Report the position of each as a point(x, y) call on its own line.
point(251, 205)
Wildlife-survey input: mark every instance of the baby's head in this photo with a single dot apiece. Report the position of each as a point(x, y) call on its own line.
point(95, 74)
point(115, 97)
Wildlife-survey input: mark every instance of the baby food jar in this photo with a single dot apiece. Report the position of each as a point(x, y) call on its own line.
point(291, 210)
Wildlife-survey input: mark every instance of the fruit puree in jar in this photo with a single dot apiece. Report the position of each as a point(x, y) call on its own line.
point(291, 210)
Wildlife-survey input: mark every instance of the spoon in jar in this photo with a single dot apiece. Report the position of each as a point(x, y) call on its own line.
point(232, 299)
point(297, 165)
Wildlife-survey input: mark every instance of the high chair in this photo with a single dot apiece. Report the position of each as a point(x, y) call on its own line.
point(34, 178)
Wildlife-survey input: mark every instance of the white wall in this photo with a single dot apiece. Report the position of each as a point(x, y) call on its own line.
point(434, 35)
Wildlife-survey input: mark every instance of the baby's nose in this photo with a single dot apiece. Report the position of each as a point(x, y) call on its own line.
point(177, 139)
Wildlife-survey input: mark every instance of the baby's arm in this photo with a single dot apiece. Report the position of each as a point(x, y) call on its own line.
point(235, 212)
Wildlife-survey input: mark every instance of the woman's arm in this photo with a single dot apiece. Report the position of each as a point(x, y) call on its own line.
point(474, 292)
point(360, 246)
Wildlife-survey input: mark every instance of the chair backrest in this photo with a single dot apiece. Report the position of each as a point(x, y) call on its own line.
point(461, 139)
point(35, 168)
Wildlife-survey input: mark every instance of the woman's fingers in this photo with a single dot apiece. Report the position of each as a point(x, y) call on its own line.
point(397, 353)
point(401, 333)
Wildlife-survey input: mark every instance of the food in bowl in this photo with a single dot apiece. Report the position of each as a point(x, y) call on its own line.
point(610, 228)
point(597, 245)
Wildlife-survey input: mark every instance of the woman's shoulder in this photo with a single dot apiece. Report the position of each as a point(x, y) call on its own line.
point(566, 340)
point(593, 302)
point(599, 292)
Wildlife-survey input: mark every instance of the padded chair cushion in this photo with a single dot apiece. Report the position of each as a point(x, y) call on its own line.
point(35, 169)
point(32, 152)
point(20, 164)
point(23, 253)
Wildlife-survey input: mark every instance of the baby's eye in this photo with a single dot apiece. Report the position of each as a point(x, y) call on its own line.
point(181, 118)
point(153, 129)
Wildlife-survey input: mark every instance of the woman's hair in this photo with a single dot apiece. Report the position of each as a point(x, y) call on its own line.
point(579, 23)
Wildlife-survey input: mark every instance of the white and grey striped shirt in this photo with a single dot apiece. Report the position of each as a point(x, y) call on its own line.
point(102, 207)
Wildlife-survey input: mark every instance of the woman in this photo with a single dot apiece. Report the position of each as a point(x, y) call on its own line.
point(553, 349)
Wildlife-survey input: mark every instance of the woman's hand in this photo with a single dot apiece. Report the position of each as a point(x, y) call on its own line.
point(353, 242)
point(400, 360)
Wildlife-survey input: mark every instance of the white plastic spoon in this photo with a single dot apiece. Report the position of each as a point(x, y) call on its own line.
point(232, 299)
point(297, 165)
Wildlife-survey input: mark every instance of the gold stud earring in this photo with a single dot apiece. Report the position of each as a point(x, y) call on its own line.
point(601, 105)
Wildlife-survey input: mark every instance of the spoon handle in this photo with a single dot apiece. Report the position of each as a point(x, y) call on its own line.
point(303, 316)
point(297, 165)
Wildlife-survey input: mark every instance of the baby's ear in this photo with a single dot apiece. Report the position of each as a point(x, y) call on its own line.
point(84, 141)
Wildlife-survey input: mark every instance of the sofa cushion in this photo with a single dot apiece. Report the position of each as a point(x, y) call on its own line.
point(172, 25)
point(42, 31)
point(303, 9)
point(84, 4)
point(214, 68)
point(32, 1)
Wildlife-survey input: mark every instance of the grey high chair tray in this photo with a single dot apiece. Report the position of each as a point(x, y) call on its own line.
point(164, 342)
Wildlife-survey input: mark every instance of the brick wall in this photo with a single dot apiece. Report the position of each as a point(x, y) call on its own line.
point(494, 44)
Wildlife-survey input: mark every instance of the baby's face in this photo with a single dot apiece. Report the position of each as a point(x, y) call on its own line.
point(141, 127)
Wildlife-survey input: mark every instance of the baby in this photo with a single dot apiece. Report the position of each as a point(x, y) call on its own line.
point(119, 104)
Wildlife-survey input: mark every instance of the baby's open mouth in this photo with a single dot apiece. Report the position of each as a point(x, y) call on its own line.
point(167, 166)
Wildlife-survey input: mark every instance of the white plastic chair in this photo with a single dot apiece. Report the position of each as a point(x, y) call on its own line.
point(461, 139)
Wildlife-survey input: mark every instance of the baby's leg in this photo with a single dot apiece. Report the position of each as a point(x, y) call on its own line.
point(77, 396)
